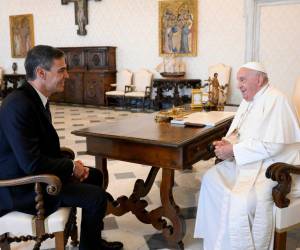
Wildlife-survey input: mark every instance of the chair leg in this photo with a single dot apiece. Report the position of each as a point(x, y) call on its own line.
point(123, 102)
point(4, 246)
point(74, 229)
point(280, 241)
point(74, 236)
point(106, 100)
point(38, 243)
point(59, 241)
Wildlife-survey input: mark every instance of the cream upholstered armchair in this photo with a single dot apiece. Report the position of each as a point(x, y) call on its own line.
point(123, 85)
point(287, 214)
point(142, 82)
point(17, 226)
point(223, 77)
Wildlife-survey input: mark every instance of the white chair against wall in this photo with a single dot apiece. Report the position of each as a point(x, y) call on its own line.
point(142, 82)
point(287, 215)
point(123, 85)
point(223, 78)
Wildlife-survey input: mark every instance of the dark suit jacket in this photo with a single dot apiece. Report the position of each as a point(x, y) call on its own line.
point(29, 145)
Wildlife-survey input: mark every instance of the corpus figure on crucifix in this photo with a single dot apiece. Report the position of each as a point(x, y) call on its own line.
point(81, 14)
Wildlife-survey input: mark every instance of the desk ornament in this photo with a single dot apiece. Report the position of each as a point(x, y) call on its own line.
point(170, 114)
point(197, 99)
point(211, 92)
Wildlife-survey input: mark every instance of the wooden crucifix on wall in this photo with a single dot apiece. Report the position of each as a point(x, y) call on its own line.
point(81, 14)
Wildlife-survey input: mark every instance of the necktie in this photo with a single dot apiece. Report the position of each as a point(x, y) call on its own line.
point(48, 112)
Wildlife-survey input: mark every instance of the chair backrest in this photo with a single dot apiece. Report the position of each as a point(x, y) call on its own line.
point(296, 98)
point(142, 79)
point(223, 78)
point(124, 77)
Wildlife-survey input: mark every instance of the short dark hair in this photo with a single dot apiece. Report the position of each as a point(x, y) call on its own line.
point(40, 55)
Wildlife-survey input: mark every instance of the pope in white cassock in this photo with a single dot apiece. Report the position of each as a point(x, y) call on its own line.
point(235, 210)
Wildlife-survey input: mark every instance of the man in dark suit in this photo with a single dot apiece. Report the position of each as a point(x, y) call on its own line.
point(30, 145)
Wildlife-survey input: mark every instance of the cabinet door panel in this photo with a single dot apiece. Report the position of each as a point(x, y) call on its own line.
point(75, 59)
point(97, 58)
point(93, 89)
point(74, 88)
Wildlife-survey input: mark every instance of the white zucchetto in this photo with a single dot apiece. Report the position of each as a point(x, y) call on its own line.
point(255, 66)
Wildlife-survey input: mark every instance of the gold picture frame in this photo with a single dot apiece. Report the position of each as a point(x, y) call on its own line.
point(197, 96)
point(178, 22)
point(21, 35)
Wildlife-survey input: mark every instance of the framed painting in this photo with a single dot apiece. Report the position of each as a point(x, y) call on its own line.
point(21, 35)
point(178, 27)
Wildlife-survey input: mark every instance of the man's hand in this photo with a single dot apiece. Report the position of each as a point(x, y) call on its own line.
point(223, 149)
point(80, 171)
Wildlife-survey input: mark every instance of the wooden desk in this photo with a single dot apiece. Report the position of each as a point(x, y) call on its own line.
point(166, 84)
point(160, 145)
point(12, 78)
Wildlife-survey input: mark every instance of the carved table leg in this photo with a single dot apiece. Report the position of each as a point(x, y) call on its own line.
point(101, 164)
point(173, 233)
point(134, 203)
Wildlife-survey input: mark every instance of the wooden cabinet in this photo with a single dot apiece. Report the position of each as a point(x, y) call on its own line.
point(91, 71)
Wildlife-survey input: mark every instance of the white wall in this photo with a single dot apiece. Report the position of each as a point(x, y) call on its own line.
point(279, 44)
point(132, 26)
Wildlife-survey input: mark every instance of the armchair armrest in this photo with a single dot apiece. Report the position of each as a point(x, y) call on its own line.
point(67, 152)
point(53, 188)
point(281, 172)
point(148, 91)
point(52, 181)
point(129, 88)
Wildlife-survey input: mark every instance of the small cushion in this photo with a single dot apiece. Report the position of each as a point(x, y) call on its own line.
point(135, 94)
point(115, 93)
point(289, 216)
point(18, 224)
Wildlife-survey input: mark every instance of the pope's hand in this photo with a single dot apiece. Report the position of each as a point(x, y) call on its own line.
point(223, 149)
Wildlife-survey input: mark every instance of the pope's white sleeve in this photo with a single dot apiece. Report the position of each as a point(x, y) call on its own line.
point(252, 150)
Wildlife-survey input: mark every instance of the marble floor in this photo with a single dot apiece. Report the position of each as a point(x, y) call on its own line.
point(122, 175)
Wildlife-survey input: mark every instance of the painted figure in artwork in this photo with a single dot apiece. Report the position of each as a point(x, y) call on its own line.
point(21, 36)
point(177, 29)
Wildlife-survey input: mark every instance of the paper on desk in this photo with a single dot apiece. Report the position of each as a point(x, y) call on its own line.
point(211, 118)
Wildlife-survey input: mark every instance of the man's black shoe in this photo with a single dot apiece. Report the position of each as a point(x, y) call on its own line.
point(113, 245)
